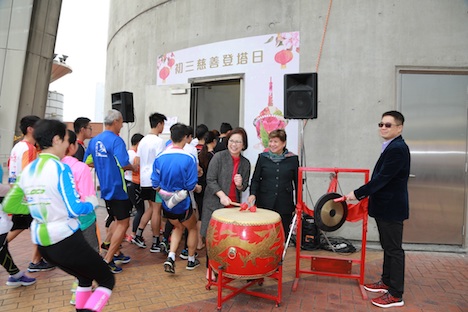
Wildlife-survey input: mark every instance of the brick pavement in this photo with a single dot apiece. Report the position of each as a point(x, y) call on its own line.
point(434, 282)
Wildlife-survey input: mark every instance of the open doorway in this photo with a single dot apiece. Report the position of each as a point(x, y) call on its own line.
point(214, 102)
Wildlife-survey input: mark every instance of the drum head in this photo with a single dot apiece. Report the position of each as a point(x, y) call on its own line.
point(330, 215)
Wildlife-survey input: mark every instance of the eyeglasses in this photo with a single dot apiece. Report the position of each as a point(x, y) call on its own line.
point(235, 142)
point(387, 125)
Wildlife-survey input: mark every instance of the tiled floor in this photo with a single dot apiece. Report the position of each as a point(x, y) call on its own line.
point(434, 282)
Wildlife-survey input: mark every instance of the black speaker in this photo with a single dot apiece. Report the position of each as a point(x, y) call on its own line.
point(300, 96)
point(123, 102)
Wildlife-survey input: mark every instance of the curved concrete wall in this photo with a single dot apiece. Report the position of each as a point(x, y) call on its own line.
point(366, 42)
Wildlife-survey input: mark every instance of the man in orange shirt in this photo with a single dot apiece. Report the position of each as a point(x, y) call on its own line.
point(21, 155)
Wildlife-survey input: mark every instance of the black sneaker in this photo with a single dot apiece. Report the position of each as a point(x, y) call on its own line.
point(164, 246)
point(155, 248)
point(139, 241)
point(184, 254)
point(41, 266)
point(169, 265)
point(106, 245)
point(192, 264)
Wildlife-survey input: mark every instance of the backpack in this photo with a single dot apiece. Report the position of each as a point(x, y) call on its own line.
point(310, 234)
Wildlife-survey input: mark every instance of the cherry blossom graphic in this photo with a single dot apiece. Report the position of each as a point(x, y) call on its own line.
point(288, 43)
point(165, 64)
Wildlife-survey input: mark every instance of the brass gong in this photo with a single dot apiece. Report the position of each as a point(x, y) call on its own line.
point(330, 215)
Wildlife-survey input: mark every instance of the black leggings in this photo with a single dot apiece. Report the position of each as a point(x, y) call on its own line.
point(5, 257)
point(133, 191)
point(76, 257)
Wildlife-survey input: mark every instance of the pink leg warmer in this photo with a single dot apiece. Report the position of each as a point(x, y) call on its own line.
point(98, 299)
point(81, 296)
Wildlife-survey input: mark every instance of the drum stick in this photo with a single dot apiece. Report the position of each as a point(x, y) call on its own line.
point(340, 199)
point(235, 204)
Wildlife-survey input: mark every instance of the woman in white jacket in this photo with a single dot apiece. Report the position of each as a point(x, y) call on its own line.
point(54, 203)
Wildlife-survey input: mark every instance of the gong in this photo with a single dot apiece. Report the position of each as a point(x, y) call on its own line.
point(330, 215)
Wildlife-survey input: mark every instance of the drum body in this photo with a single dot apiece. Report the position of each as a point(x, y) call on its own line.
point(246, 244)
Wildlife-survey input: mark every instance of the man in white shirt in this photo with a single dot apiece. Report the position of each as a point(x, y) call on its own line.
point(150, 147)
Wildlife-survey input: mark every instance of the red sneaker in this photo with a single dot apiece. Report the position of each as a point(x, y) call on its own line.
point(376, 287)
point(388, 301)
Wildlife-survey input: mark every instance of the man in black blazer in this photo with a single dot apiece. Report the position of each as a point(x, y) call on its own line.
point(388, 204)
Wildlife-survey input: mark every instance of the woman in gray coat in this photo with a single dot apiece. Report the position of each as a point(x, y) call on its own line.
point(227, 177)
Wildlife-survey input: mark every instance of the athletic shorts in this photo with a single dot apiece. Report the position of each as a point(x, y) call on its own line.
point(158, 198)
point(21, 222)
point(148, 193)
point(118, 208)
point(181, 217)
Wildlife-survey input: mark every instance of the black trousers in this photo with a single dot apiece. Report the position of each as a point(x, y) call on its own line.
point(76, 257)
point(391, 239)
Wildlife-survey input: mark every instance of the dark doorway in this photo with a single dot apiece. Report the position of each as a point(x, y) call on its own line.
point(214, 102)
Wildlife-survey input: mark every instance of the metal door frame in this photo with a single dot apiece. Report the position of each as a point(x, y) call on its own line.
point(399, 71)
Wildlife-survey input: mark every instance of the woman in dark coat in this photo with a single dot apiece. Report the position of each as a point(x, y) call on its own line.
point(275, 179)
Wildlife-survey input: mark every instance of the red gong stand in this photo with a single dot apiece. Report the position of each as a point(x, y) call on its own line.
point(332, 266)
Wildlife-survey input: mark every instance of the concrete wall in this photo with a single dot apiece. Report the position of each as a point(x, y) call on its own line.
point(366, 41)
point(27, 39)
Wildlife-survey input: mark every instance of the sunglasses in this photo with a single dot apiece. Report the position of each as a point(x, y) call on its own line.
point(387, 125)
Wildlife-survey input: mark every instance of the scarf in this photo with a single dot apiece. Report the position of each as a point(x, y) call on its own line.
point(275, 157)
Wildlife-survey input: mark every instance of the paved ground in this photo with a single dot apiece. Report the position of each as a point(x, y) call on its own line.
point(434, 282)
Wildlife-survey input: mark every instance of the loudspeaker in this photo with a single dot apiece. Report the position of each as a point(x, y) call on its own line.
point(300, 96)
point(123, 102)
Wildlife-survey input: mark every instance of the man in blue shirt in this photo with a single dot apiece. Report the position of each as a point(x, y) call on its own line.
point(108, 153)
point(175, 173)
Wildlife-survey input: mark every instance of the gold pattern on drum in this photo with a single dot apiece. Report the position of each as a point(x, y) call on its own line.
point(245, 249)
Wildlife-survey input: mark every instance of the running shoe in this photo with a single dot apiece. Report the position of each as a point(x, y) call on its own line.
point(41, 266)
point(388, 301)
point(73, 299)
point(155, 248)
point(376, 287)
point(164, 246)
point(22, 281)
point(139, 241)
point(106, 245)
point(184, 254)
point(192, 264)
point(114, 268)
point(169, 265)
point(74, 286)
point(121, 258)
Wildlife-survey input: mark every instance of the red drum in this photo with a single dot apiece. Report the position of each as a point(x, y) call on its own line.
point(246, 244)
